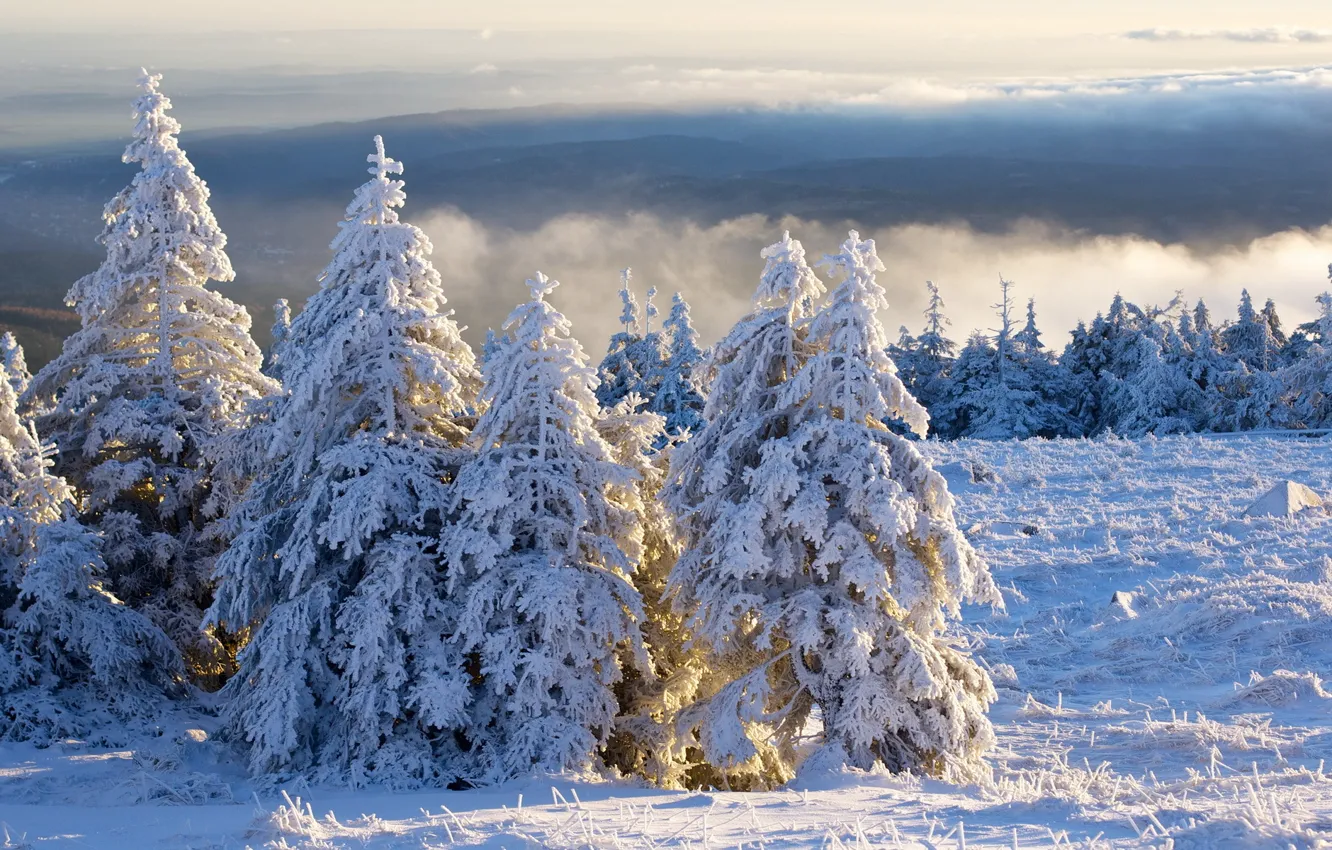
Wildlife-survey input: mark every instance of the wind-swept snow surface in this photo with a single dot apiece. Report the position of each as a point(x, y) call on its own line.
point(1202, 722)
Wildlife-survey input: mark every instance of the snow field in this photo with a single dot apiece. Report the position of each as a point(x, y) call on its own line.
point(1197, 720)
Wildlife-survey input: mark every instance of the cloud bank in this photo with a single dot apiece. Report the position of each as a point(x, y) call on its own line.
point(1072, 276)
point(1260, 35)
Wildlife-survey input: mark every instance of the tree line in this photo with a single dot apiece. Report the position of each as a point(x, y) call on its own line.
point(1132, 371)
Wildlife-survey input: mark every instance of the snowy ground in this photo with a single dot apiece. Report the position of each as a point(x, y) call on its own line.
point(1187, 712)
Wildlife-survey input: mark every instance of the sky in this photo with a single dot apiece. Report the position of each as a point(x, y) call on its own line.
point(956, 36)
point(67, 66)
point(1010, 19)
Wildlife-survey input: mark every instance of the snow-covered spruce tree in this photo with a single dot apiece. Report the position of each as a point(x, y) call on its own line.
point(281, 330)
point(648, 355)
point(160, 367)
point(1250, 338)
point(545, 534)
point(716, 746)
point(14, 363)
point(1029, 338)
point(1081, 363)
point(679, 394)
point(1155, 397)
point(1202, 320)
point(73, 659)
point(1270, 316)
point(925, 365)
point(1212, 371)
point(971, 371)
point(30, 496)
point(1101, 357)
point(1008, 386)
point(822, 560)
point(618, 376)
point(1307, 382)
point(347, 676)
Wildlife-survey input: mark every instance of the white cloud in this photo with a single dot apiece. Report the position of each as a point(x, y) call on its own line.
point(932, 93)
point(1260, 35)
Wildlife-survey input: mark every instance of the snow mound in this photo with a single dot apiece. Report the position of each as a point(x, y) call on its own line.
point(1121, 605)
point(1283, 687)
point(1285, 500)
point(1245, 834)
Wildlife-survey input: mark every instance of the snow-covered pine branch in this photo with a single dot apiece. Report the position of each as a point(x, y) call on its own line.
point(679, 394)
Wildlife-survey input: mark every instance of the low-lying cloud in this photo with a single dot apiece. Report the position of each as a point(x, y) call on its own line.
point(1072, 276)
point(1258, 35)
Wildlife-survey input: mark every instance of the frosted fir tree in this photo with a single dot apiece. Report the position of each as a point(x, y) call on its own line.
point(1213, 372)
point(545, 535)
point(1306, 333)
point(1155, 397)
point(926, 364)
point(902, 350)
point(1081, 394)
point(14, 363)
point(30, 496)
point(618, 374)
point(822, 561)
point(1202, 318)
point(648, 354)
point(76, 660)
point(1008, 386)
point(1029, 338)
point(161, 366)
point(1270, 316)
point(934, 341)
point(334, 567)
point(281, 331)
point(1250, 337)
point(744, 371)
point(970, 373)
point(73, 659)
point(1307, 382)
point(1100, 357)
point(679, 393)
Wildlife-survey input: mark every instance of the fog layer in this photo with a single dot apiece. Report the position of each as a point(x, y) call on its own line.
point(1071, 275)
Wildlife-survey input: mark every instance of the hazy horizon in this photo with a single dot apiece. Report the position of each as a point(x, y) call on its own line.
point(1184, 97)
